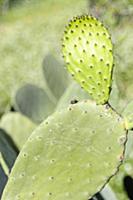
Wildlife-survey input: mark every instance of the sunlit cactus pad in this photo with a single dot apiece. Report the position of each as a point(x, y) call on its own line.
point(128, 115)
point(87, 50)
point(70, 156)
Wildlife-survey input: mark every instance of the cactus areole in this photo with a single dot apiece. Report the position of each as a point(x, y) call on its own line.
point(74, 152)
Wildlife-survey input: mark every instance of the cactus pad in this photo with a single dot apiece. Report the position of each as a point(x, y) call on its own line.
point(87, 50)
point(71, 155)
point(12, 123)
point(128, 115)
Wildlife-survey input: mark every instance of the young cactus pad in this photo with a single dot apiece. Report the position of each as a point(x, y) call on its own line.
point(87, 50)
point(70, 156)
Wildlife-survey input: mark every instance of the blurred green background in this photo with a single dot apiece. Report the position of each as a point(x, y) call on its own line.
point(33, 81)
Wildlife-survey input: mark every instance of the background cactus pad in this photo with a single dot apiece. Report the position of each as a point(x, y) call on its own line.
point(71, 155)
point(87, 50)
point(128, 115)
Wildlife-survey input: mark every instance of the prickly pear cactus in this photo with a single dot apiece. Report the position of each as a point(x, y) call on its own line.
point(73, 153)
point(87, 50)
point(62, 159)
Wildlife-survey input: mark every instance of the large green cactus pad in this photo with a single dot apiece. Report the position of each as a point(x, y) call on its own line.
point(71, 155)
point(87, 50)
